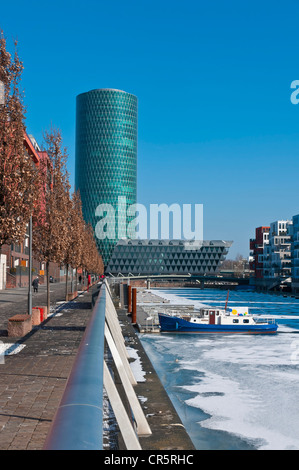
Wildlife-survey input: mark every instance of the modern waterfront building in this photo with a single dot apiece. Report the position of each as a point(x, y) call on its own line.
point(106, 160)
point(277, 253)
point(257, 246)
point(146, 257)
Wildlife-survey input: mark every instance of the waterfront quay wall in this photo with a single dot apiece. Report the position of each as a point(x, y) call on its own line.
point(168, 432)
point(277, 286)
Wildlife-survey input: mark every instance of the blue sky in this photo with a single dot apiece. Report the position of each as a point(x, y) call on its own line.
point(215, 122)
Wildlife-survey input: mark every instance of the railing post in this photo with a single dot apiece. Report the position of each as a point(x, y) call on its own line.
point(129, 299)
point(134, 305)
point(142, 424)
point(119, 341)
point(112, 320)
point(127, 431)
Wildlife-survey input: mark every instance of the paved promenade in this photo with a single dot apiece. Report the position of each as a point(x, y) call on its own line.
point(32, 381)
point(34, 373)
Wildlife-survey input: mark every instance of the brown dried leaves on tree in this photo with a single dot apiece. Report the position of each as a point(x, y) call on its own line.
point(82, 252)
point(18, 174)
point(50, 227)
point(75, 251)
point(92, 261)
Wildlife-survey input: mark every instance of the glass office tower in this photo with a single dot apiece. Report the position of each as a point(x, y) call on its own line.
point(106, 162)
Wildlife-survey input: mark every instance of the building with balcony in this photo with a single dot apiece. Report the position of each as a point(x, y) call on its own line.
point(277, 253)
point(272, 253)
point(106, 159)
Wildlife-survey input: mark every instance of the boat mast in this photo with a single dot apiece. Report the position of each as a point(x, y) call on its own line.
point(226, 299)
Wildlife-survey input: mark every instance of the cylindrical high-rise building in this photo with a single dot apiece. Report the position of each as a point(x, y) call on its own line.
point(106, 162)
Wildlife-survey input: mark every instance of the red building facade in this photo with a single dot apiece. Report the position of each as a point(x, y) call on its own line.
point(257, 250)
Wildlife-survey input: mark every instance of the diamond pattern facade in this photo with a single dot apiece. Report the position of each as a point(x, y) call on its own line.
point(106, 155)
point(167, 257)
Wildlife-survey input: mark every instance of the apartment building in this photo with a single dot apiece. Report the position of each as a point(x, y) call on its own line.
point(277, 253)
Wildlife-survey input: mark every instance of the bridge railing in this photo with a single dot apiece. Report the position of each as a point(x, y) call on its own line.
point(78, 422)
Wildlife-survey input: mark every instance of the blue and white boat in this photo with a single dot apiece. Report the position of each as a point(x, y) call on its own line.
point(217, 320)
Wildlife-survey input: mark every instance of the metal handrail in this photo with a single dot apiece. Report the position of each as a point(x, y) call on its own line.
point(77, 424)
point(264, 319)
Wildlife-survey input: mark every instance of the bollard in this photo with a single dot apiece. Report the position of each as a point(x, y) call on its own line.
point(134, 304)
point(36, 320)
point(129, 299)
point(41, 310)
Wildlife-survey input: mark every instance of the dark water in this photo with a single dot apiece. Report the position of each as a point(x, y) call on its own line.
point(233, 391)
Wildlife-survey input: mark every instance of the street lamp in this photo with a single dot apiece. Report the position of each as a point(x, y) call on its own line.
point(30, 268)
point(1, 93)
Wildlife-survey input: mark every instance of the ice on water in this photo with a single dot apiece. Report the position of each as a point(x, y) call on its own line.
point(247, 384)
point(249, 388)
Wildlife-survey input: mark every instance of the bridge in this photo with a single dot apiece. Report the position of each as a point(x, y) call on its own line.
point(221, 279)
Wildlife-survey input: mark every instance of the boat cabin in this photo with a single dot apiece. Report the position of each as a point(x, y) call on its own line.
point(216, 316)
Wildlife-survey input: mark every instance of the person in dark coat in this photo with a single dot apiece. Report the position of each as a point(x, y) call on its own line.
point(35, 284)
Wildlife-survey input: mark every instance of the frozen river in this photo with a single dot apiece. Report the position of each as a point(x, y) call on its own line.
point(233, 391)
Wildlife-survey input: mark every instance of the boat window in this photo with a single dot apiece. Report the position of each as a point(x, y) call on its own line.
point(246, 321)
point(235, 320)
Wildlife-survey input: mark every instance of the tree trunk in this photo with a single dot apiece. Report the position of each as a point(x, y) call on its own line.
point(72, 282)
point(67, 273)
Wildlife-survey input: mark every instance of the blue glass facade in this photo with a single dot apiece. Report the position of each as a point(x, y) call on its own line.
point(106, 159)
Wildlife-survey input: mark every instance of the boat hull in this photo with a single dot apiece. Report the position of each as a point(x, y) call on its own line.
point(171, 324)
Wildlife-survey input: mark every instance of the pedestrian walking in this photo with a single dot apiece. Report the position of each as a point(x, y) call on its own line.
point(35, 284)
point(88, 282)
